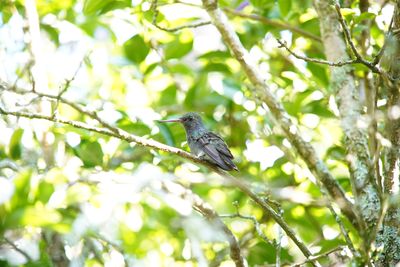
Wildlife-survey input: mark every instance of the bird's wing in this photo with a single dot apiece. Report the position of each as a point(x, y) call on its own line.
point(216, 149)
point(221, 145)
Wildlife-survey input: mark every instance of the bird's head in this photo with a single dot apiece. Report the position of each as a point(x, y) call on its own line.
point(190, 121)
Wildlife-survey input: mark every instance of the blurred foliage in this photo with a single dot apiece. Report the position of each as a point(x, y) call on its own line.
point(101, 196)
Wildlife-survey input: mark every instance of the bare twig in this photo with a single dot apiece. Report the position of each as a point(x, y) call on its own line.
point(61, 99)
point(344, 232)
point(262, 92)
point(166, 65)
point(360, 59)
point(272, 22)
point(266, 208)
point(316, 60)
point(381, 52)
point(120, 134)
point(6, 163)
point(317, 257)
point(23, 253)
point(113, 245)
point(154, 8)
point(350, 108)
point(208, 212)
point(255, 222)
point(68, 83)
point(264, 20)
point(89, 243)
point(278, 247)
point(382, 213)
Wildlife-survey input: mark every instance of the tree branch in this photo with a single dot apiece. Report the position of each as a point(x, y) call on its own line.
point(389, 236)
point(208, 212)
point(371, 65)
point(154, 7)
point(266, 208)
point(347, 98)
point(316, 60)
point(122, 135)
point(255, 222)
point(23, 253)
point(317, 257)
point(262, 91)
point(272, 22)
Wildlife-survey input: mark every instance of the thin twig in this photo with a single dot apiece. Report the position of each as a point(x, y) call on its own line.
point(120, 134)
point(317, 257)
point(263, 93)
point(381, 52)
point(339, 222)
point(266, 208)
point(6, 163)
point(346, 30)
point(382, 214)
point(68, 83)
point(278, 245)
point(208, 212)
point(165, 64)
point(344, 232)
point(255, 222)
point(316, 60)
point(92, 247)
point(113, 245)
point(23, 253)
point(272, 22)
point(154, 8)
point(61, 99)
point(263, 20)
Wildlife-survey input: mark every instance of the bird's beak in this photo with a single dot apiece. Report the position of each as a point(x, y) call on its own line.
point(173, 120)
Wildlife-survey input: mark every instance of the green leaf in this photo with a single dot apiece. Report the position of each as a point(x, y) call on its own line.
point(230, 88)
point(137, 128)
point(168, 96)
point(257, 256)
point(22, 184)
point(217, 67)
point(180, 68)
point(215, 55)
point(90, 153)
point(6, 12)
point(37, 215)
point(45, 190)
point(284, 6)
point(167, 134)
point(364, 16)
point(79, 193)
point(179, 46)
point(150, 68)
point(91, 7)
point(347, 12)
point(52, 32)
point(15, 147)
point(318, 108)
point(262, 4)
point(3, 153)
point(319, 73)
point(115, 5)
point(98, 7)
point(136, 49)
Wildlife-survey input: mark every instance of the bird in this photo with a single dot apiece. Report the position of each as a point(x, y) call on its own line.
point(205, 144)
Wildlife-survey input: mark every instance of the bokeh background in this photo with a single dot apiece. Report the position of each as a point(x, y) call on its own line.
point(73, 197)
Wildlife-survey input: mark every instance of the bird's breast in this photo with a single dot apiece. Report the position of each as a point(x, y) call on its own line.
point(195, 147)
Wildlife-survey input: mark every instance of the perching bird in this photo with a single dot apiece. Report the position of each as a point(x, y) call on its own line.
point(205, 144)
